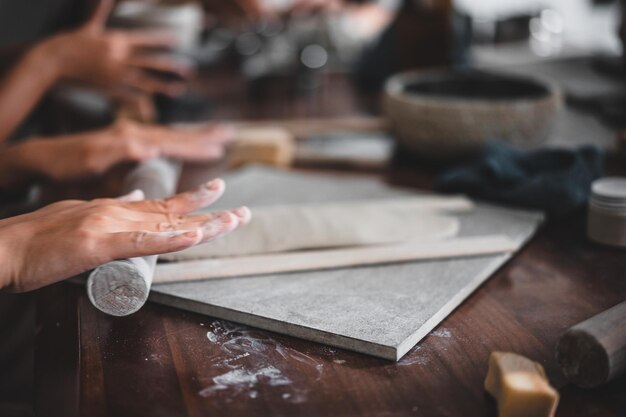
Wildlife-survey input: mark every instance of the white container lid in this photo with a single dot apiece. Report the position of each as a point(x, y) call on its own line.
point(609, 192)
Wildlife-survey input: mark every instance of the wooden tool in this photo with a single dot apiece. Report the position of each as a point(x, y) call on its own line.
point(328, 259)
point(121, 287)
point(303, 128)
point(520, 386)
point(262, 145)
point(593, 352)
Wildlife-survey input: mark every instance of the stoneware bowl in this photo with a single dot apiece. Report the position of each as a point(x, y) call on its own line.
point(451, 114)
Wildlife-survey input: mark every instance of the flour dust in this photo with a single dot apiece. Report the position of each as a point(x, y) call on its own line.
point(251, 360)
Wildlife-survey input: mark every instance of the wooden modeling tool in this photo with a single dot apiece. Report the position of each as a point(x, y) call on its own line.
point(328, 259)
point(520, 386)
point(273, 142)
point(121, 287)
point(593, 352)
point(304, 128)
point(264, 145)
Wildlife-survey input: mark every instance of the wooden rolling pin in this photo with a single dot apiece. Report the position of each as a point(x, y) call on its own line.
point(593, 352)
point(121, 287)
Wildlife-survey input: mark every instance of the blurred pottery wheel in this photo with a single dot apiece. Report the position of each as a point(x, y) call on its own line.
point(450, 114)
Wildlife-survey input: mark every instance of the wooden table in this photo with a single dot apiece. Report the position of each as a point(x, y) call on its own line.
point(160, 362)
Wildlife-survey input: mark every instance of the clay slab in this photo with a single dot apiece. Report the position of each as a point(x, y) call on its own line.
point(377, 310)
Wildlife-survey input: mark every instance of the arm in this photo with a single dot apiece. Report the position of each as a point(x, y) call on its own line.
point(23, 87)
point(113, 60)
point(70, 237)
point(84, 155)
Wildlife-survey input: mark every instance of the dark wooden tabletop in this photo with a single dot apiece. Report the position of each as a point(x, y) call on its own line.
point(160, 362)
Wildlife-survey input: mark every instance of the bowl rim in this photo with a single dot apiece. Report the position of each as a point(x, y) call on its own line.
point(395, 84)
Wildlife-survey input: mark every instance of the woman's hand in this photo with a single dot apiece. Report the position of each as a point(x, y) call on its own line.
point(87, 155)
point(70, 237)
point(118, 62)
point(116, 58)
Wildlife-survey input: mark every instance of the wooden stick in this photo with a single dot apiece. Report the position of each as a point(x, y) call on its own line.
point(303, 128)
point(328, 259)
point(593, 352)
point(121, 287)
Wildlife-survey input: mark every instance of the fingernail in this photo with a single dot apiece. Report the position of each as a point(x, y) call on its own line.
point(243, 212)
point(214, 185)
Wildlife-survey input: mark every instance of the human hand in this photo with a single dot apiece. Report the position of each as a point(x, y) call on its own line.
point(116, 58)
point(86, 155)
point(70, 237)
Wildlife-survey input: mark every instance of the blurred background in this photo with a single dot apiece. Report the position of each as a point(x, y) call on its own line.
point(259, 59)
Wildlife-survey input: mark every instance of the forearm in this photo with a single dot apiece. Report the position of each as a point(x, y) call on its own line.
point(24, 86)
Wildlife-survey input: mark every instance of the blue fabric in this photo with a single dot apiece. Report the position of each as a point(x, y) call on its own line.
point(557, 181)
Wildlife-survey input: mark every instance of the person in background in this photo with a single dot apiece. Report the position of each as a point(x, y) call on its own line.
point(63, 239)
point(117, 62)
point(111, 60)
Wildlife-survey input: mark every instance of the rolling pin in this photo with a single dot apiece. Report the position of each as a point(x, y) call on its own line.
point(593, 352)
point(121, 287)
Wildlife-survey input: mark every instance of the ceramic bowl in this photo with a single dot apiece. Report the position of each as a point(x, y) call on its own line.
point(451, 114)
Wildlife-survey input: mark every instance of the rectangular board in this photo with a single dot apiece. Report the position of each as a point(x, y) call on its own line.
point(377, 310)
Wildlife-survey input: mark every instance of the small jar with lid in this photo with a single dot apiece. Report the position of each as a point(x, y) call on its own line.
point(606, 223)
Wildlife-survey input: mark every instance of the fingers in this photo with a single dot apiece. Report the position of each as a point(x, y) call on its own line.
point(162, 64)
point(244, 214)
point(191, 150)
point(189, 145)
point(152, 39)
point(203, 196)
point(98, 18)
point(144, 243)
point(218, 133)
point(140, 80)
point(163, 223)
point(224, 223)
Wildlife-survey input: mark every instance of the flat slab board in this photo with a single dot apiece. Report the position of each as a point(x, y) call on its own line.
point(380, 310)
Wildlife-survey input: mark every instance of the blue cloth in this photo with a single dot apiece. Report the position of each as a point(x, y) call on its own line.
point(557, 181)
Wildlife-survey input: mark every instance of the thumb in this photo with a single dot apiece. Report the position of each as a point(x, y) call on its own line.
point(99, 16)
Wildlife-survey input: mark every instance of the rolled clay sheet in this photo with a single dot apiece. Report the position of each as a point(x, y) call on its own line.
point(291, 228)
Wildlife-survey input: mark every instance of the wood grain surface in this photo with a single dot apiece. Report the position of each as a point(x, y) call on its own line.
point(166, 362)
